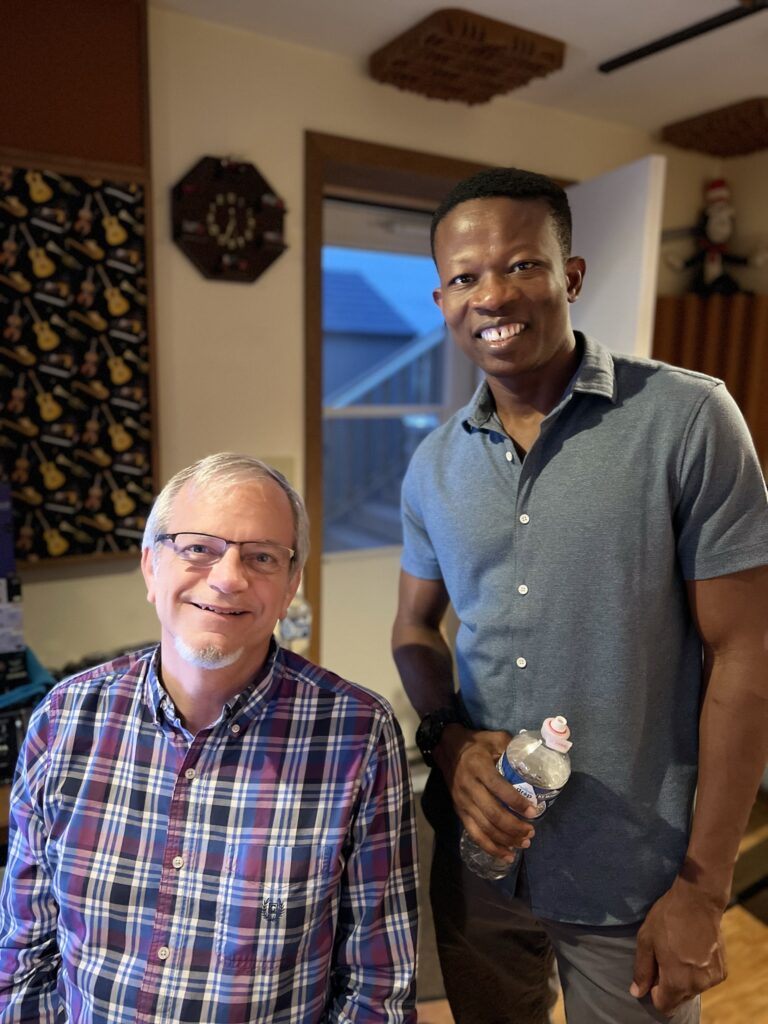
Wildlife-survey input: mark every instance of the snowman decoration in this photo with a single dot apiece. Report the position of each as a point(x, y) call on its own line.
point(713, 232)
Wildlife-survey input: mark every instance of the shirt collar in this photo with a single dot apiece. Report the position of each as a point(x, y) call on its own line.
point(244, 706)
point(594, 375)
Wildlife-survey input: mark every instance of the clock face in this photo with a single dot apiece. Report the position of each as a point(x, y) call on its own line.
point(227, 219)
point(231, 220)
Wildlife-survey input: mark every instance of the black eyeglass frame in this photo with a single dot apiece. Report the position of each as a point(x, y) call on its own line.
point(160, 538)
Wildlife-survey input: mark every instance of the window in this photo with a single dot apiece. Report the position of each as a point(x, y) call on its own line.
point(387, 369)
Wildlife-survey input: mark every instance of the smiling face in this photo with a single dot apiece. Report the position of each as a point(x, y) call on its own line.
point(222, 615)
point(505, 287)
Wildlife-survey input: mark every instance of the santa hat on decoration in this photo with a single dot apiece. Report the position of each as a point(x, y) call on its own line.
point(716, 191)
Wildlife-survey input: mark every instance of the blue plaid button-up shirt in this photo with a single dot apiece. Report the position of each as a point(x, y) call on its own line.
point(263, 870)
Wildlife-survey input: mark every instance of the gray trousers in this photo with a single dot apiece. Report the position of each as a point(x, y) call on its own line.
point(497, 958)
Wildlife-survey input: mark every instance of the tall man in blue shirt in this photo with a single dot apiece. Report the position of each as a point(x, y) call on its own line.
point(213, 831)
point(600, 525)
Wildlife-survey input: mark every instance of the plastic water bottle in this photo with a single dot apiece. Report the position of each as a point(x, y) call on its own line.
point(538, 766)
point(295, 630)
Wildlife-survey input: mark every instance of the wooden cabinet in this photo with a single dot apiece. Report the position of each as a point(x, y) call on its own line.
point(727, 337)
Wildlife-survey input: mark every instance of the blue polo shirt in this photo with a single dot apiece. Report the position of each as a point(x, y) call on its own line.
point(567, 572)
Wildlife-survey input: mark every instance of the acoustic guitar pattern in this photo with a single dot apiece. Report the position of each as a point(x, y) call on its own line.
point(75, 414)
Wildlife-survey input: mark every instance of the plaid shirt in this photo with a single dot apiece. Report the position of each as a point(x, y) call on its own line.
point(263, 870)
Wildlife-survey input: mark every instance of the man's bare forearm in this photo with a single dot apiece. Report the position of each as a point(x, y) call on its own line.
point(733, 747)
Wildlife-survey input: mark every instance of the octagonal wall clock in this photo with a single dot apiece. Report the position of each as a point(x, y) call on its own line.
point(227, 219)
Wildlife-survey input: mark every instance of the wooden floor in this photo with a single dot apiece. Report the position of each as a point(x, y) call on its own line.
point(743, 996)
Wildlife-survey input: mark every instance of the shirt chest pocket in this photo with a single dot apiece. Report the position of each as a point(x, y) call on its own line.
point(275, 904)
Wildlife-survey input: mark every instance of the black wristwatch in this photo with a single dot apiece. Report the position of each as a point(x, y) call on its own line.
point(431, 729)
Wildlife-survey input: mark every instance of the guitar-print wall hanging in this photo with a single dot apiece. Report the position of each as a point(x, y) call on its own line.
point(75, 422)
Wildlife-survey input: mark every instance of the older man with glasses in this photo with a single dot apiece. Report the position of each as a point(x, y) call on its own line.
point(214, 829)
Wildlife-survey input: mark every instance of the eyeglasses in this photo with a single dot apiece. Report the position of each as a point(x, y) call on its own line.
point(203, 550)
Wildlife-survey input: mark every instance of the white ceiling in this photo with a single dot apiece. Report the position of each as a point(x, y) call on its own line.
point(714, 70)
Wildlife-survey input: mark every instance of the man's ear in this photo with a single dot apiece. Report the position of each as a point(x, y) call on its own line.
point(437, 295)
point(575, 269)
point(148, 572)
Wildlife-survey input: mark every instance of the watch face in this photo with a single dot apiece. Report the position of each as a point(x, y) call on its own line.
point(231, 220)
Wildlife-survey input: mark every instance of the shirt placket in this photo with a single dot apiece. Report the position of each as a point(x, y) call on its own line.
point(162, 957)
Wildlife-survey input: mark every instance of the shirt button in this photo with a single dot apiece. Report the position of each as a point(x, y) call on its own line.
point(525, 518)
point(234, 729)
point(178, 862)
point(521, 662)
point(522, 589)
point(189, 774)
point(510, 456)
point(163, 953)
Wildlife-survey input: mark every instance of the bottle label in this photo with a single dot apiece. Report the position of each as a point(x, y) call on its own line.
point(540, 797)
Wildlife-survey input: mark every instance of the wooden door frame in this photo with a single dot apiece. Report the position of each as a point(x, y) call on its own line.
point(349, 168)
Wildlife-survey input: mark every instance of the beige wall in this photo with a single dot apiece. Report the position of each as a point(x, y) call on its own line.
point(230, 357)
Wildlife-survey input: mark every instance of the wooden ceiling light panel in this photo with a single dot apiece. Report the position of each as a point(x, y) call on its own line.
point(729, 131)
point(459, 55)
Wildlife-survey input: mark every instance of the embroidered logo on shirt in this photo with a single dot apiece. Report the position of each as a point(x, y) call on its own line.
point(272, 910)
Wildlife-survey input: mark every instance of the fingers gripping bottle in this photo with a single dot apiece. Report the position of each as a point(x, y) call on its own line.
point(538, 766)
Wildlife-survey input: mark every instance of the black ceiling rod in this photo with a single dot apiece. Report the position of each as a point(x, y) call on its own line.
point(733, 14)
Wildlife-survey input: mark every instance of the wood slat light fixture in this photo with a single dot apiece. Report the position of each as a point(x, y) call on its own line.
point(735, 130)
point(458, 55)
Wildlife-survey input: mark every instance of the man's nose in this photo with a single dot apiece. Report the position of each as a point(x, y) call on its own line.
point(494, 291)
point(228, 575)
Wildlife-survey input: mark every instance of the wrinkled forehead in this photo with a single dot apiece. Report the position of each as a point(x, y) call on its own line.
point(257, 506)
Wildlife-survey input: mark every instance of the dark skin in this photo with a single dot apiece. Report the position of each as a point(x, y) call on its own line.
point(504, 290)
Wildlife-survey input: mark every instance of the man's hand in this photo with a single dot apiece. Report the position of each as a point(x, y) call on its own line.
point(680, 949)
point(467, 760)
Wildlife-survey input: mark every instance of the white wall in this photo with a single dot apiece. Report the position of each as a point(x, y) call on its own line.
point(229, 357)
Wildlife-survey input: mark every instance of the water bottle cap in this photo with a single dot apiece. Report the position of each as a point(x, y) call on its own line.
point(555, 733)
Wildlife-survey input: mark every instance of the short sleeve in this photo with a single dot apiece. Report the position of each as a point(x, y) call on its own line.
point(418, 558)
point(722, 512)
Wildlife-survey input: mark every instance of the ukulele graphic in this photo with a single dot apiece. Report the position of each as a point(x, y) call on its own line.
point(39, 189)
point(53, 478)
point(90, 364)
point(87, 290)
point(118, 435)
point(42, 264)
point(18, 397)
point(122, 502)
point(50, 409)
point(26, 536)
point(10, 249)
point(56, 543)
point(117, 304)
point(119, 371)
point(47, 338)
point(84, 220)
point(13, 324)
point(114, 231)
point(21, 466)
point(95, 495)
